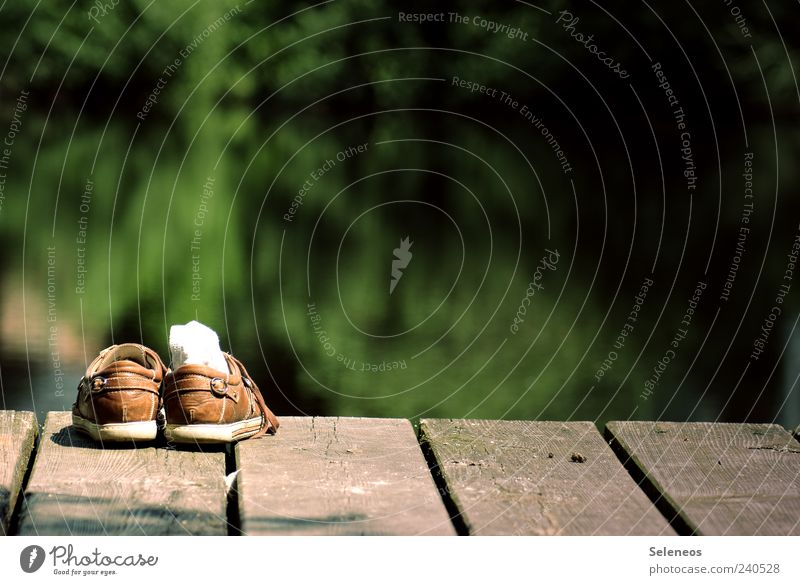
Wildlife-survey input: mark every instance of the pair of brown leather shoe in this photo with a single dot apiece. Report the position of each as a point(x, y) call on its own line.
point(125, 387)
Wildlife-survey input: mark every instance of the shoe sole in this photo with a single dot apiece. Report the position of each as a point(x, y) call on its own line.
point(117, 432)
point(211, 433)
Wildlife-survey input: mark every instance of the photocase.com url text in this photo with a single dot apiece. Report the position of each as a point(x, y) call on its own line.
point(737, 569)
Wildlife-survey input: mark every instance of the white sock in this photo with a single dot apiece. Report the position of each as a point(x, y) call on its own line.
point(194, 343)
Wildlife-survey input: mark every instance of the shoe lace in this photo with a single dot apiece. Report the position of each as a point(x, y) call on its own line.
point(269, 422)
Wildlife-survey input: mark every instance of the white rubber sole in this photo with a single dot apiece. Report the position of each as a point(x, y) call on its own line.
point(210, 433)
point(117, 432)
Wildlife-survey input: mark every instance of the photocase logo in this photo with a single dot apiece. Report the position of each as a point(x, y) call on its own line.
point(31, 558)
point(402, 256)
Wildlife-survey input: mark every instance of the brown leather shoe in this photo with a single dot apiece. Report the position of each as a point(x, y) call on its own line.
point(204, 405)
point(118, 397)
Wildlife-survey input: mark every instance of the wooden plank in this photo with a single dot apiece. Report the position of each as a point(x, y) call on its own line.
point(537, 478)
point(741, 479)
point(338, 476)
point(79, 488)
point(17, 439)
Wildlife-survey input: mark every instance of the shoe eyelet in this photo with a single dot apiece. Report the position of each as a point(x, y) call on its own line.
point(218, 386)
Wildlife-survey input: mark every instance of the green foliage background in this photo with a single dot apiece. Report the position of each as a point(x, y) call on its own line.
point(281, 87)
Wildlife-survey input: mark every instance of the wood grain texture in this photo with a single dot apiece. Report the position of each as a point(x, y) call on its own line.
point(537, 478)
point(79, 488)
point(338, 476)
point(741, 479)
point(17, 439)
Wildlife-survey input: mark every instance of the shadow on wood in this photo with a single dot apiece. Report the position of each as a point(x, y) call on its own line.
point(79, 487)
point(49, 514)
point(343, 525)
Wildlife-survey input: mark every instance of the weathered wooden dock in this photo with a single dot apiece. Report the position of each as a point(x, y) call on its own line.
point(378, 476)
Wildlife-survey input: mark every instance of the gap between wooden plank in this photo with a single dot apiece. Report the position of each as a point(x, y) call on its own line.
point(18, 434)
point(662, 502)
point(232, 484)
point(13, 525)
point(456, 518)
